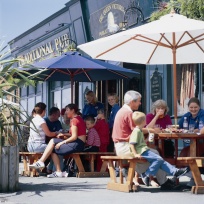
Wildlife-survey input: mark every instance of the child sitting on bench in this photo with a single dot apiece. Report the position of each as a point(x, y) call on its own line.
point(139, 148)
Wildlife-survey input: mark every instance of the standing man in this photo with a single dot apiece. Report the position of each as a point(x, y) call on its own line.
point(122, 130)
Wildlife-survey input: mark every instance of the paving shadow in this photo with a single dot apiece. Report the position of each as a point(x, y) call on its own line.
point(179, 188)
point(80, 186)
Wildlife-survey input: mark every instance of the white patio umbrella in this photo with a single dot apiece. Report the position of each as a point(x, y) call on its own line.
point(174, 39)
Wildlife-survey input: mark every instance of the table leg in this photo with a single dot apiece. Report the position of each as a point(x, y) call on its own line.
point(193, 148)
point(112, 171)
point(162, 148)
point(131, 172)
point(176, 148)
point(199, 188)
point(79, 164)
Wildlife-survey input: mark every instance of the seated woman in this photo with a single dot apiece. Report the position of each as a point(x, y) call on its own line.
point(194, 116)
point(38, 132)
point(158, 115)
point(36, 141)
point(56, 146)
point(159, 119)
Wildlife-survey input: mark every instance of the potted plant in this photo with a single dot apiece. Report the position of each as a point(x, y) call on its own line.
point(11, 121)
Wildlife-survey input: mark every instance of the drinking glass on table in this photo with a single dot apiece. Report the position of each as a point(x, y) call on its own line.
point(169, 127)
point(191, 128)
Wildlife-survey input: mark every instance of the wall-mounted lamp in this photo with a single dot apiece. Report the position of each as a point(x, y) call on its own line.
point(68, 45)
point(133, 14)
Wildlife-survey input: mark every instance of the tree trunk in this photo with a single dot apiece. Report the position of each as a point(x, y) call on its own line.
point(9, 168)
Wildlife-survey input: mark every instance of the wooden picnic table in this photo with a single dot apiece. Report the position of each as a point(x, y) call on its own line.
point(176, 136)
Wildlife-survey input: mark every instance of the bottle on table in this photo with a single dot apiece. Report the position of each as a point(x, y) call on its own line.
point(200, 126)
point(186, 142)
point(185, 124)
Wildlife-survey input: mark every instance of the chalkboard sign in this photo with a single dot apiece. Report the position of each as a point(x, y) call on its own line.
point(156, 85)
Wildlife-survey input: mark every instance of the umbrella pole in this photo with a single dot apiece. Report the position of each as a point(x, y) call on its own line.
point(175, 79)
point(72, 87)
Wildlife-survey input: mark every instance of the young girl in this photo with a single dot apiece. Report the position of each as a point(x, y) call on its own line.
point(93, 140)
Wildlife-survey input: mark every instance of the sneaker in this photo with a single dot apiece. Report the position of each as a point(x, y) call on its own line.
point(168, 185)
point(37, 165)
point(55, 174)
point(64, 174)
point(145, 179)
point(181, 172)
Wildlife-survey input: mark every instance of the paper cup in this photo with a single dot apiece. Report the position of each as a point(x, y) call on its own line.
point(151, 137)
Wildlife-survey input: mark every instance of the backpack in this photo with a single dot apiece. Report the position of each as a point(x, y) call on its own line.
point(169, 148)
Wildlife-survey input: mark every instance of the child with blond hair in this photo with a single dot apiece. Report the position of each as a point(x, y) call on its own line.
point(139, 148)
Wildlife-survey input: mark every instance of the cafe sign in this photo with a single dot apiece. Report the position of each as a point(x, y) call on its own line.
point(156, 85)
point(108, 19)
point(45, 50)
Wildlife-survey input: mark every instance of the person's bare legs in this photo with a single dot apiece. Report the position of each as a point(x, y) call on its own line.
point(47, 151)
point(56, 161)
point(136, 179)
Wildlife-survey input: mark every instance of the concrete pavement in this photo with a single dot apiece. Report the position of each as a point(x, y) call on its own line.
point(90, 190)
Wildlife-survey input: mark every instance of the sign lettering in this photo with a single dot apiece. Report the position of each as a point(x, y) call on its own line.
point(45, 50)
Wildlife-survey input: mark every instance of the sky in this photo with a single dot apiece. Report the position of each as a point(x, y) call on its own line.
point(17, 16)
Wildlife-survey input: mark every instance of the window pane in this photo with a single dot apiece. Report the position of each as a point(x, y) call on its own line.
point(31, 90)
point(55, 84)
point(23, 91)
point(39, 88)
point(83, 88)
point(31, 102)
point(57, 99)
point(23, 107)
point(38, 99)
point(66, 83)
point(66, 96)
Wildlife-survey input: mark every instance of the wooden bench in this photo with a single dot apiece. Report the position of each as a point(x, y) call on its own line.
point(121, 185)
point(31, 157)
point(91, 157)
point(194, 163)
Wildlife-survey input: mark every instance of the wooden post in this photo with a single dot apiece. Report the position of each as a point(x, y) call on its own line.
point(13, 168)
point(4, 169)
point(9, 169)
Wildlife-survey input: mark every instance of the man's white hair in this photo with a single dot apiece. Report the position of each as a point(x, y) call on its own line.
point(130, 96)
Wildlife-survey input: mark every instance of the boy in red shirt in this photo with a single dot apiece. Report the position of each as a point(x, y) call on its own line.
point(102, 128)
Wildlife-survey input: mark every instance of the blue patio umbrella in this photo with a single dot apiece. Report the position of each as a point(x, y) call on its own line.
point(72, 66)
